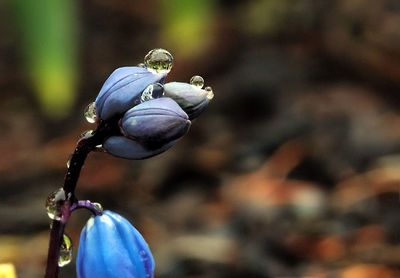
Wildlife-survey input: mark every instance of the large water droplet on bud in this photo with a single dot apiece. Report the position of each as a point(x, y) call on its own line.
point(90, 113)
point(152, 91)
point(65, 251)
point(197, 81)
point(54, 204)
point(159, 61)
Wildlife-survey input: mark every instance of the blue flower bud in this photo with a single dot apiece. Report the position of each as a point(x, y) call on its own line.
point(192, 99)
point(123, 89)
point(110, 247)
point(149, 129)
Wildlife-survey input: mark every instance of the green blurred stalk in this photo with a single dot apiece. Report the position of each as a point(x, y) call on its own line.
point(186, 25)
point(49, 42)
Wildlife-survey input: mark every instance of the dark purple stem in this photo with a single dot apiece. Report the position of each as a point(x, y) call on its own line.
point(83, 148)
point(86, 204)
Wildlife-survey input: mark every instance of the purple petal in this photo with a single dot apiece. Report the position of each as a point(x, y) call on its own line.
point(123, 89)
point(192, 99)
point(155, 122)
point(121, 146)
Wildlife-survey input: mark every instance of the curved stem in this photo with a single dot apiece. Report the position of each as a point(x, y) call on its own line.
point(83, 148)
point(86, 204)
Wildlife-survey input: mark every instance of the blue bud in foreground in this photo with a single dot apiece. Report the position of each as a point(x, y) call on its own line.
point(148, 129)
point(192, 99)
point(122, 90)
point(110, 247)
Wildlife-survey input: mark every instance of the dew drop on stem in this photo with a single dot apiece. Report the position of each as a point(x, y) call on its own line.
point(65, 251)
point(86, 134)
point(98, 206)
point(54, 204)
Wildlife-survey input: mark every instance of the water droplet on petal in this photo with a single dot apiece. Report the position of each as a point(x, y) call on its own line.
point(90, 113)
point(197, 81)
point(210, 93)
point(152, 91)
point(65, 251)
point(159, 61)
point(54, 204)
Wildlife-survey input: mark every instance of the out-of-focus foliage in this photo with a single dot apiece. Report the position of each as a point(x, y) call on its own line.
point(270, 17)
point(48, 40)
point(186, 26)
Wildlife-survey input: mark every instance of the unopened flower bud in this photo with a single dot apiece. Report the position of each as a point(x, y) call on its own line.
point(110, 247)
point(149, 129)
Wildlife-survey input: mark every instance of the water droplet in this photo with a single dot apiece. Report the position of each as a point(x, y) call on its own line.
point(210, 93)
point(141, 65)
point(197, 81)
point(54, 204)
point(99, 149)
point(98, 206)
point(68, 163)
point(159, 61)
point(86, 134)
point(65, 251)
point(152, 91)
point(90, 113)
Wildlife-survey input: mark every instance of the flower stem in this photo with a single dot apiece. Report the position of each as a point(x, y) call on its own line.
point(86, 204)
point(84, 146)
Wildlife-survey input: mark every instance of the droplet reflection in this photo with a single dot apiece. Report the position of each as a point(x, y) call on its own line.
point(152, 91)
point(98, 206)
point(54, 204)
point(197, 81)
point(210, 93)
point(65, 251)
point(90, 113)
point(159, 61)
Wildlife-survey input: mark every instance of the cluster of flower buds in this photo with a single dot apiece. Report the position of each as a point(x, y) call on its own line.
point(152, 115)
point(110, 247)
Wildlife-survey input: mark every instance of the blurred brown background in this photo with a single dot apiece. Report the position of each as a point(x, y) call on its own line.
point(293, 171)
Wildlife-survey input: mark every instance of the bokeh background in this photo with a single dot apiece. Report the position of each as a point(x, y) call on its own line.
point(293, 171)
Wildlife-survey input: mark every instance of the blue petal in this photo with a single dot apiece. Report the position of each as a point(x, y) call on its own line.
point(111, 247)
point(192, 99)
point(123, 89)
point(134, 238)
point(121, 146)
point(155, 122)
